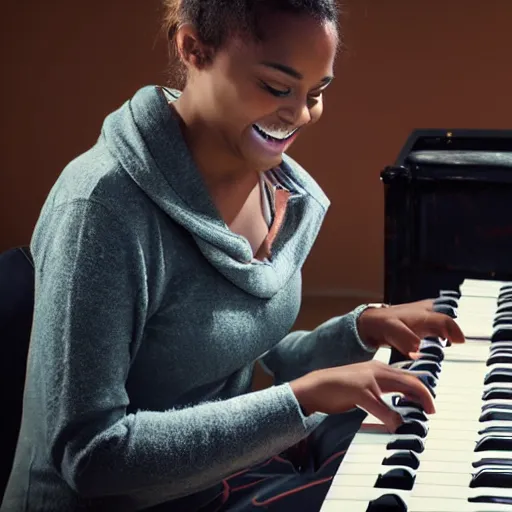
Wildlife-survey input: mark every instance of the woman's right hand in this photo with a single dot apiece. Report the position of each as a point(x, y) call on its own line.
point(339, 389)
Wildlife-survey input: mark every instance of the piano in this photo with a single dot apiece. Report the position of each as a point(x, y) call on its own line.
point(443, 241)
point(447, 212)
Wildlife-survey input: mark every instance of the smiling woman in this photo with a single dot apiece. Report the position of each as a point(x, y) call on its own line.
point(168, 264)
point(254, 70)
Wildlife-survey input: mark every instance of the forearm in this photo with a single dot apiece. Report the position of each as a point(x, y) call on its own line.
point(185, 450)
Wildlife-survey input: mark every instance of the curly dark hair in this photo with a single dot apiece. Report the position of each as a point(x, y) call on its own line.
point(217, 20)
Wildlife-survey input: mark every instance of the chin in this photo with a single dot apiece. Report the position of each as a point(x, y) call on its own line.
point(262, 165)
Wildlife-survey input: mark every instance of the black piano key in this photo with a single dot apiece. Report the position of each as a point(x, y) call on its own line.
point(427, 366)
point(434, 340)
point(498, 345)
point(499, 443)
point(501, 315)
point(415, 415)
point(495, 429)
point(433, 350)
point(403, 458)
point(492, 477)
point(503, 299)
point(497, 393)
point(491, 499)
point(429, 357)
point(446, 301)
point(412, 427)
point(501, 346)
point(398, 478)
point(445, 310)
point(450, 293)
point(493, 406)
point(492, 462)
point(500, 322)
point(429, 382)
point(497, 375)
point(504, 307)
point(414, 444)
point(400, 402)
point(502, 333)
point(387, 503)
point(496, 415)
point(500, 358)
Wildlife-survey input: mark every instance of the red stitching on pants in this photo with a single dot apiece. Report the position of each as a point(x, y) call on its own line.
point(246, 486)
point(257, 503)
point(331, 458)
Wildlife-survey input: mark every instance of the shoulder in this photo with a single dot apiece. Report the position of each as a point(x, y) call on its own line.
point(96, 177)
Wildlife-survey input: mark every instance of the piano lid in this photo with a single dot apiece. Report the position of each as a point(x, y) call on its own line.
point(482, 155)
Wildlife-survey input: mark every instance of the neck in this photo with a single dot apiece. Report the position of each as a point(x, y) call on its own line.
point(209, 149)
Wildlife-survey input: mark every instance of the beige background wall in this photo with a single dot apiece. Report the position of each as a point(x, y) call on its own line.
point(408, 64)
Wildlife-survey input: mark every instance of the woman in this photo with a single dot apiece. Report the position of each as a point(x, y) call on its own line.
point(168, 260)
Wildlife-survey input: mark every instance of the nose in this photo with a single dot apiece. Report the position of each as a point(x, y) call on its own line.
point(296, 114)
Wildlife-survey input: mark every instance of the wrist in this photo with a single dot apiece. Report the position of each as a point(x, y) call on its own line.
point(302, 390)
point(368, 318)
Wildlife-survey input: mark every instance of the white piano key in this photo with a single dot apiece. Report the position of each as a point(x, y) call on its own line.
point(369, 439)
point(363, 493)
point(335, 505)
point(367, 480)
point(355, 480)
point(458, 492)
point(418, 505)
point(359, 468)
point(368, 454)
point(436, 504)
point(464, 445)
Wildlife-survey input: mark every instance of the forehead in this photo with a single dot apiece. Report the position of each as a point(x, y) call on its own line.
point(300, 42)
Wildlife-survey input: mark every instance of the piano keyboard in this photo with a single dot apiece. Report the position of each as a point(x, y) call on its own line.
point(460, 458)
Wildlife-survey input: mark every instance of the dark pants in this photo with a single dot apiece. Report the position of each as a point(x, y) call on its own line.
point(295, 480)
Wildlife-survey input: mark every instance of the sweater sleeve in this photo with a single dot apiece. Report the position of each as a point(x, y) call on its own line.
point(90, 310)
point(333, 343)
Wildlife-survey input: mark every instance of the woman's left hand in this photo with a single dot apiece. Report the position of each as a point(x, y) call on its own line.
point(403, 326)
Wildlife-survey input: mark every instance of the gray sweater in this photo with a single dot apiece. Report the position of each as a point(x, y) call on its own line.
point(150, 315)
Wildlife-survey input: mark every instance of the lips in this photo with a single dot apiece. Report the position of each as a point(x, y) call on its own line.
point(271, 146)
point(275, 135)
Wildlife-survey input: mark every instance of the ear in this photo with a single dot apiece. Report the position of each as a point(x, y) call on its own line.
point(192, 52)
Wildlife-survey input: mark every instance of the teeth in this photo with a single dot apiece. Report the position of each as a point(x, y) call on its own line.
point(279, 134)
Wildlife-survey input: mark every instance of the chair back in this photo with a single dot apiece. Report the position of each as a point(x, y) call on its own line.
point(16, 310)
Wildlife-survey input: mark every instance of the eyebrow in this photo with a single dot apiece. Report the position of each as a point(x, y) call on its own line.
point(293, 72)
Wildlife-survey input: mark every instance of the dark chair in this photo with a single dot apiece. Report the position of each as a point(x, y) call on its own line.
point(16, 308)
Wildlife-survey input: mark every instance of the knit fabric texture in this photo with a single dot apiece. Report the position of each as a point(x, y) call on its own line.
point(149, 317)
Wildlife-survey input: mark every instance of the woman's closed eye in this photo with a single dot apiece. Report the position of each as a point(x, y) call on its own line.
point(279, 92)
point(283, 91)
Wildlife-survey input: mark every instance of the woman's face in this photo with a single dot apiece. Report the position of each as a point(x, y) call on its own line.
point(259, 96)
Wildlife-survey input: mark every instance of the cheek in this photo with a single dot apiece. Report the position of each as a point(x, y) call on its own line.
point(317, 111)
point(251, 104)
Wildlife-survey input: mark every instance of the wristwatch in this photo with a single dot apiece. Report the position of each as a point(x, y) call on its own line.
point(363, 308)
point(376, 305)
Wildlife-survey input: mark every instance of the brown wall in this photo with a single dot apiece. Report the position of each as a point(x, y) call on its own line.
point(408, 64)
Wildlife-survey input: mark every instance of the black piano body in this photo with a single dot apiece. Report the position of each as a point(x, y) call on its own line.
point(448, 213)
